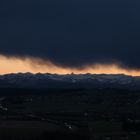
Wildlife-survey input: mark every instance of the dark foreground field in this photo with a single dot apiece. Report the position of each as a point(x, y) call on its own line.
point(36, 130)
point(71, 114)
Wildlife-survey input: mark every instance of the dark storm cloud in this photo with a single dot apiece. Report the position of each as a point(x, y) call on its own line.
point(72, 32)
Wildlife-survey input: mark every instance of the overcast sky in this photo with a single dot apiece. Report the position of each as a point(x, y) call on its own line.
point(72, 33)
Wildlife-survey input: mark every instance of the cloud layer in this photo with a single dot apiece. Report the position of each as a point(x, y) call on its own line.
point(72, 33)
point(36, 65)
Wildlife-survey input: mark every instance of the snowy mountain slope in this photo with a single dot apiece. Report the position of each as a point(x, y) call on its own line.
point(29, 80)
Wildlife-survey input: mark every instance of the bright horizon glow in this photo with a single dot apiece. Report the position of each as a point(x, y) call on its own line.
point(36, 65)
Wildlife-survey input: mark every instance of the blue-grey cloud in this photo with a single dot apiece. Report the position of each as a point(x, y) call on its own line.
point(73, 32)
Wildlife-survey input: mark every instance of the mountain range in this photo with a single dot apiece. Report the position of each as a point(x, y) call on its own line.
point(29, 80)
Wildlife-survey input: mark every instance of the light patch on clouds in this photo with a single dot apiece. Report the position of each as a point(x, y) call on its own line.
point(36, 65)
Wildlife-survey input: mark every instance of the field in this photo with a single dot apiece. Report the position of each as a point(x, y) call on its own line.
point(51, 114)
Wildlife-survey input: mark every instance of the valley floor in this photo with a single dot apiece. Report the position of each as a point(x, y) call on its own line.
point(86, 114)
